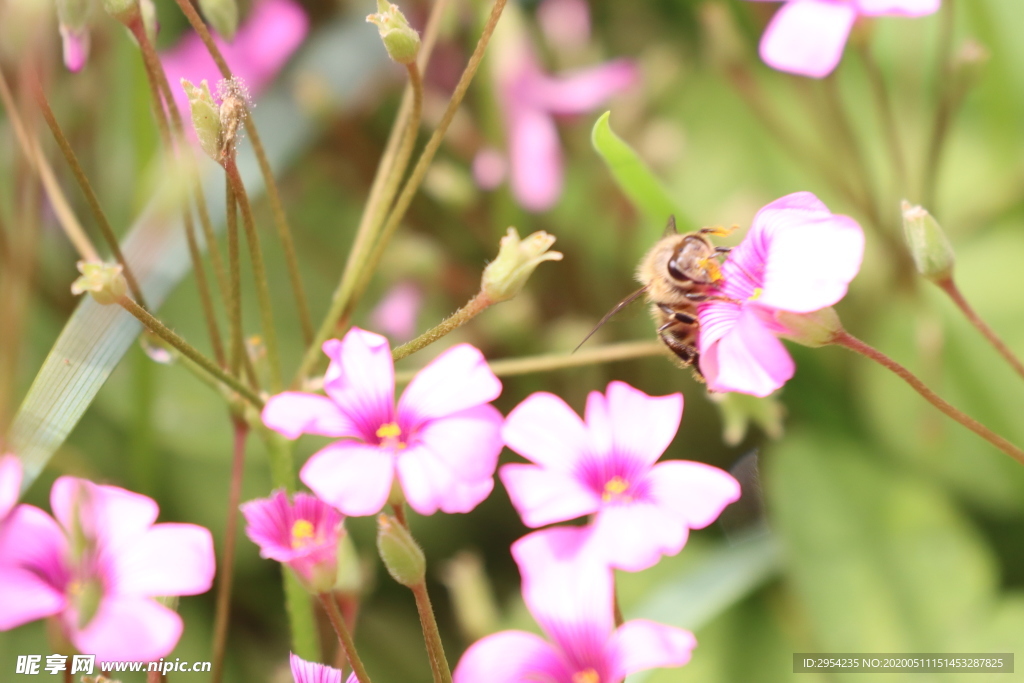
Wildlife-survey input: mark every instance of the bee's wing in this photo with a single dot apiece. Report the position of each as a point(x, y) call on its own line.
point(607, 316)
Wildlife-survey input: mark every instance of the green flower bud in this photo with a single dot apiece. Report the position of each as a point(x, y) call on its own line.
point(401, 554)
point(505, 276)
point(205, 117)
point(814, 329)
point(401, 40)
point(222, 15)
point(932, 252)
point(104, 281)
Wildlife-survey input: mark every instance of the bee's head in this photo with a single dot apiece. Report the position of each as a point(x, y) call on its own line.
point(693, 261)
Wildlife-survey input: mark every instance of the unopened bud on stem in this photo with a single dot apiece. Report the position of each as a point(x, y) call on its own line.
point(205, 117)
point(932, 252)
point(814, 329)
point(505, 276)
point(401, 40)
point(401, 554)
point(104, 281)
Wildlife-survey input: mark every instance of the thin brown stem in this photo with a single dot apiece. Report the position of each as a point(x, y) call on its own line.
point(431, 634)
point(348, 646)
point(950, 288)
point(944, 110)
point(227, 562)
point(235, 288)
point(475, 306)
point(854, 344)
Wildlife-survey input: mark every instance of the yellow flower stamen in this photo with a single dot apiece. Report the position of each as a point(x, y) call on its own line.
point(388, 434)
point(613, 490)
point(302, 533)
point(586, 676)
point(756, 295)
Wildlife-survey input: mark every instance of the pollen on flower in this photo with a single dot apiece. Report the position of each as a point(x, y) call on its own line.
point(756, 295)
point(613, 490)
point(388, 434)
point(302, 533)
point(587, 675)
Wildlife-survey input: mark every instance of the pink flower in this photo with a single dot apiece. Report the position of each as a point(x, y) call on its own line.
point(573, 603)
point(807, 37)
point(303, 535)
point(396, 313)
point(10, 483)
point(308, 672)
point(442, 439)
point(798, 257)
point(262, 46)
point(76, 46)
point(99, 568)
point(530, 98)
point(606, 467)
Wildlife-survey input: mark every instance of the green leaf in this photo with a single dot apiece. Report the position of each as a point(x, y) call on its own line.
point(633, 177)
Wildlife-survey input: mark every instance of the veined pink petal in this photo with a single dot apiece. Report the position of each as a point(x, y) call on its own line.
point(511, 657)
point(633, 537)
point(696, 492)
point(807, 37)
point(746, 357)
point(467, 442)
point(535, 157)
point(543, 496)
point(905, 8)
point(642, 426)
point(129, 628)
point(355, 478)
point(584, 90)
point(456, 380)
point(640, 644)
point(430, 485)
point(361, 379)
point(310, 672)
point(115, 515)
point(545, 430)
point(25, 597)
point(10, 483)
point(293, 413)
point(168, 559)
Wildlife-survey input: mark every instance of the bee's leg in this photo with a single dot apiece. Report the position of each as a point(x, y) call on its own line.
point(723, 250)
point(686, 353)
point(700, 298)
point(719, 230)
point(676, 316)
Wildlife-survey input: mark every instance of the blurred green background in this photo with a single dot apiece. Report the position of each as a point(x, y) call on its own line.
point(891, 528)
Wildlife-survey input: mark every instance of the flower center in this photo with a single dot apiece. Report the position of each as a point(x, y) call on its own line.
point(586, 676)
point(85, 595)
point(389, 434)
point(302, 533)
point(614, 490)
point(756, 295)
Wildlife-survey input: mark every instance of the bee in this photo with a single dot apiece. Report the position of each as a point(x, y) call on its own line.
point(677, 273)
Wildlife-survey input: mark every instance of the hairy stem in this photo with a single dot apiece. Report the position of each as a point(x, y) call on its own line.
point(950, 288)
point(344, 637)
point(431, 634)
point(462, 316)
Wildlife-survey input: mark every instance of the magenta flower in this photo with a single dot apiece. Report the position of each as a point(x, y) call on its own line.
point(98, 567)
point(529, 100)
point(303, 535)
point(442, 439)
point(606, 467)
point(798, 257)
point(396, 313)
point(262, 46)
point(309, 672)
point(572, 600)
point(10, 483)
point(807, 37)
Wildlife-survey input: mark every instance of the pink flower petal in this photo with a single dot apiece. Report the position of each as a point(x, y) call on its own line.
point(905, 8)
point(565, 23)
point(511, 657)
point(584, 90)
point(633, 537)
point(115, 515)
point(355, 478)
point(743, 357)
point(32, 539)
point(696, 492)
point(535, 156)
point(642, 426)
point(544, 496)
point(310, 672)
point(467, 442)
point(361, 379)
point(430, 485)
point(489, 168)
point(640, 644)
point(807, 37)
point(76, 46)
point(169, 559)
point(395, 315)
point(129, 628)
point(456, 380)
point(293, 413)
point(25, 597)
point(546, 431)
point(10, 483)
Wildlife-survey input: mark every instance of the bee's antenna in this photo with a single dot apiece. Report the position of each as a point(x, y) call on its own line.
point(670, 228)
point(618, 307)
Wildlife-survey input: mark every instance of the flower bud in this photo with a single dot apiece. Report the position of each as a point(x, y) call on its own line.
point(505, 276)
point(234, 109)
point(401, 40)
point(104, 281)
point(205, 117)
point(72, 16)
point(932, 252)
point(222, 15)
point(401, 554)
point(814, 329)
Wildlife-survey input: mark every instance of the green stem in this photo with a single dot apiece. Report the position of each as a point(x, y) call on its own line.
point(849, 341)
point(259, 271)
point(462, 316)
point(226, 568)
point(162, 331)
point(344, 637)
point(235, 287)
point(847, 133)
point(431, 634)
point(950, 288)
point(90, 195)
point(948, 101)
point(887, 115)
